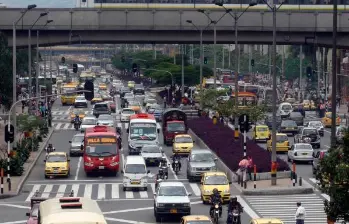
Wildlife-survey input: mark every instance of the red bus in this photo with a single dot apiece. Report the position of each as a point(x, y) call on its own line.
point(101, 151)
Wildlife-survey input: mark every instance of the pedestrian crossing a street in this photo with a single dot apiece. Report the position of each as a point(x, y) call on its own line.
point(284, 207)
point(100, 191)
point(70, 126)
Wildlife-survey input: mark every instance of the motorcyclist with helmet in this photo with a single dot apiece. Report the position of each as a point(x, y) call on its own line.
point(163, 165)
point(216, 198)
point(234, 204)
point(176, 157)
point(49, 149)
point(118, 131)
point(160, 177)
point(77, 120)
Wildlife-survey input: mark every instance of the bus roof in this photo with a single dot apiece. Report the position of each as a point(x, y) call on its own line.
point(98, 130)
point(73, 211)
point(142, 116)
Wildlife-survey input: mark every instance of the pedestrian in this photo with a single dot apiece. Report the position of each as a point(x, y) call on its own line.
point(250, 167)
point(300, 213)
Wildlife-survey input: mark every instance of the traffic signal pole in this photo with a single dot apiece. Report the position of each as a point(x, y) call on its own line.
point(245, 134)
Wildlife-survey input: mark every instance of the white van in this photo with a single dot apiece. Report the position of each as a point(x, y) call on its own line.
point(285, 109)
point(135, 173)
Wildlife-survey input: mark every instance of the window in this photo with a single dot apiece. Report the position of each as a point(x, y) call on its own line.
point(172, 191)
point(262, 129)
point(56, 158)
point(151, 149)
point(135, 168)
point(216, 180)
point(202, 157)
point(78, 138)
point(281, 138)
point(173, 127)
point(183, 140)
point(309, 132)
point(89, 122)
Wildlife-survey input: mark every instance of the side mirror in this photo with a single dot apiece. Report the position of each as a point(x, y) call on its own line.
point(154, 194)
point(69, 141)
point(158, 130)
point(44, 160)
point(230, 182)
point(201, 182)
point(27, 214)
point(215, 159)
point(189, 194)
point(122, 171)
point(148, 172)
point(81, 147)
point(193, 141)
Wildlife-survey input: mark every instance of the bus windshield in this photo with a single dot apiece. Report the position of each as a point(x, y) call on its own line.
point(101, 146)
point(143, 131)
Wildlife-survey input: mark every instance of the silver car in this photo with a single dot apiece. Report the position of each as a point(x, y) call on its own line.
point(126, 113)
point(300, 152)
point(318, 125)
point(88, 122)
point(105, 119)
point(199, 162)
point(75, 144)
point(152, 154)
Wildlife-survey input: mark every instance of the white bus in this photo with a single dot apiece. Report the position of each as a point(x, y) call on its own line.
point(72, 210)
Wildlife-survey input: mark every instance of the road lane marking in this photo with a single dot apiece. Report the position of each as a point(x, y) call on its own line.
point(32, 193)
point(99, 181)
point(47, 191)
point(58, 126)
point(327, 146)
point(196, 189)
point(247, 208)
point(66, 126)
point(14, 222)
point(75, 189)
point(78, 168)
point(88, 191)
point(152, 185)
point(129, 194)
point(101, 191)
point(114, 190)
point(61, 190)
point(143, 194)
point(70, 107)
point(119, 125)
point(158, 126)
point(15, 206)
point(127, 221)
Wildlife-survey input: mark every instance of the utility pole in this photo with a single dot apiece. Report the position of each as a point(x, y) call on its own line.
point(223, 59)
point(51, 65)
point(283, 61)
point(37, 70)
point(182, 88)
point(229, 57)
point(249, 58)
point(300, 70)
point(273, 154)
point(318, 61)
point(214, 55)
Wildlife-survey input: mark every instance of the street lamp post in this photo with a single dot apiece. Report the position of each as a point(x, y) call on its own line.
point(30, 53)
point(201, 54)
point(14, 76)
point(236, 18)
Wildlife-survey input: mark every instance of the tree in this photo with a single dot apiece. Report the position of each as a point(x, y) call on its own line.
point(333, 177)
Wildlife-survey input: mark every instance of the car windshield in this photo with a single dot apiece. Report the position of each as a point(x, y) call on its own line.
point(89, 121)
point(151, 149)
point(80, 98)
point(296, 114)
point(286, 107)
point(309, 132)
point(183, 140)
point(289, 123)
point(281, 138)
point(175, 127)
point(56, 158)
point(78, 112)
point(315, 124)
point(101, 107)
point(125, 89)
point(303, 147)
point(128, 111)
point(199, 222)
point(151, 101)
point(135, 168)
point(78, 138)
point(262, 129)
point(201, 157)
point(133, 104)
point(157, 111)
point(105, 117)
point(216, 180)
point(172, 191)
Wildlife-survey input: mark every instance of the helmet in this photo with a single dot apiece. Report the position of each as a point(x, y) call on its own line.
point(76, 115)
point(234, 199)
point(299, 203)
point(215, 190)
point(161, 171)
point(49, 144)
point(163, 158)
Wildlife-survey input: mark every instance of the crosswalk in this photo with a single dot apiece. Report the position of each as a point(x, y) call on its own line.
point(70, 126)
point(65, 115)
point(284, 207)
point(100, 191)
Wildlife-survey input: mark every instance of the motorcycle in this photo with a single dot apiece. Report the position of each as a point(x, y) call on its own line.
point(164, 167)
point(159, 178)
point(233, 217)
point(305, 140)
point(215, 213)
point(76, 125)
point(49, 150)
point(176, 166)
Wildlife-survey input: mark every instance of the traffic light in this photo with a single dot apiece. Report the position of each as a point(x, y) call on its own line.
point(75, 68)
point(123, 58)
point(9, 135)
point(205, 60)
point(244, 123)
point(134, 67)
point(90, 88)
point(252, 62)
point(63, 60)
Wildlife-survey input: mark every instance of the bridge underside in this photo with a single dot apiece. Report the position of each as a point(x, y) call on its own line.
point(61, 37)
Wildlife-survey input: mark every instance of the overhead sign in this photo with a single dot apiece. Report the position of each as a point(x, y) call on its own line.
point(143, 125)
point(99, 140)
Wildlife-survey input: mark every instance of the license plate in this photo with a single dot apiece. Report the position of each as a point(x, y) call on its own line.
point(135, 182)
point(304, 154)
point(101, 167)
point(173, 211)
point(151, 160)
point(217, 211)
point(55, 171)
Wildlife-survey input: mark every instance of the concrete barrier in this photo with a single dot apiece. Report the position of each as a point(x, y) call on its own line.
point(230, 174)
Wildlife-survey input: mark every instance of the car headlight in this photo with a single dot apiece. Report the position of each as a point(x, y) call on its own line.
point(193, 169)
point(160, 205)
point(226, 191)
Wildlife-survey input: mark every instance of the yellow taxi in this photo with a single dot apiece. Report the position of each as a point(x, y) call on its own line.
point(102, 86)
point(312, 105)
point(327, 120)
point(261, 133)
point(75, 112)
point(195, 219)
point(131, 84)
point(266, 221)
point(306, 104)
point(135, 106)
point(282, 143)
point(212, 180)
point(97, 99)
point(182, 144)
point(57, 164)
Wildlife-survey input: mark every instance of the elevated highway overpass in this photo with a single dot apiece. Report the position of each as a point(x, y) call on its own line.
point(167, 24)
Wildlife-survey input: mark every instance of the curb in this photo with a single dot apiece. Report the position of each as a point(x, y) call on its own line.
point(26, 175)
point(230, 174)
point(278, 191)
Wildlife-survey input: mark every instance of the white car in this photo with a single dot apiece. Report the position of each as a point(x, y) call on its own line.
point(171, 198)
point(152, 154)
point(125, 114)
point(105, 119)
point(300, 152)
point(80, 101)
point(88, 122)
point(149, 101)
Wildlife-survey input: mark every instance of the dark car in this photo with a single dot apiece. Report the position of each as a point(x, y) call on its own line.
point(311, 133)
point(288, 126)
point(297, 117)
point(269, 121)
point(124, 90)
point(138, 89)
point(100, 108)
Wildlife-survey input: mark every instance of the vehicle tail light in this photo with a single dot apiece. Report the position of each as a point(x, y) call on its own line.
point(89, 158)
